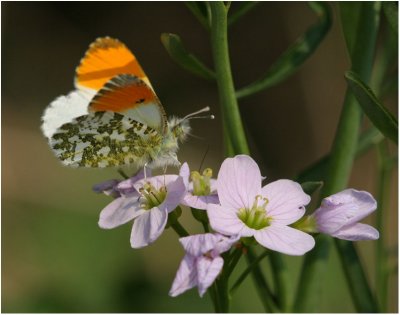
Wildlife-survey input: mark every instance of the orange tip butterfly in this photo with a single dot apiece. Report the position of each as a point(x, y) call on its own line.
point(113, 118)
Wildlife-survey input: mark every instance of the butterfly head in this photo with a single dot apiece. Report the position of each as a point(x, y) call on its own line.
point(180, 127)
point(178, 130)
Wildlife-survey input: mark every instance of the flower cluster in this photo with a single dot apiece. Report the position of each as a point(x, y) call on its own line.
point(238, 208)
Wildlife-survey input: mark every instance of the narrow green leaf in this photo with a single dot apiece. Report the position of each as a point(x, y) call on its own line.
point(264, 292)
point(242, 7)
point(350, 12)
point(281, 280)
point(290, 61)
point(182, 57)
point(376, 112)
point(310, 187)
point(363, 299)
point(201, 10)
point(391, 10)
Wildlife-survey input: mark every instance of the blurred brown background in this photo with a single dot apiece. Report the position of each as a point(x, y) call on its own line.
point(54, 256)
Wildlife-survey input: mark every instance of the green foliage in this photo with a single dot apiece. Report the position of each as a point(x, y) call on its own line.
point(391, 10)
point(201, 10)
point(310, 187)
point(376, 112)
point(242, 8)
point(290, 61)
point(183, 58)
point(360, 29)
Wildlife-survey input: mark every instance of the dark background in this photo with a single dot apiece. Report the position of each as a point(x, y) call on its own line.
point(54, 256)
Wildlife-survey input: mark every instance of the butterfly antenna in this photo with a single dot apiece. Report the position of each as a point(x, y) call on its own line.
point(204, 157)
point(193, 115)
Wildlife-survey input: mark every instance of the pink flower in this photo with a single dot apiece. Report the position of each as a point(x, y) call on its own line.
point(201, 191)
point(202, 262)
point(147, 202)
point(249, 210)
point(108, 187)
point(339, 214)
point(115, 188)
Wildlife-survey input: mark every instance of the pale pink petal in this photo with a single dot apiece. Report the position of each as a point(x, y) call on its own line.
point(126, 186)
point(224, 244)
point(226, 221)
point(108, 188)
point(119, 211)
point(213, 186)
point(184, 172)
point(284, 239)
point(148, 227)
point(357, 232)
point(343, 209)
point(207, 271)
point(156, 181)
point(175, 189)
point(199, 244)
point(286, 201)
point(175, 192)
point(239, 181)
point(186, 276)
point(213, 243)
point(199, 202)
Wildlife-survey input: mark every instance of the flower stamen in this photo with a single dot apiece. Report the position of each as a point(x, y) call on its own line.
point(256, 217)
point(201, 183)
point(151, 196)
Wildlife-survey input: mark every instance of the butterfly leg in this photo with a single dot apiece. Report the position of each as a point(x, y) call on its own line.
point(145, 171)
point(122, 173)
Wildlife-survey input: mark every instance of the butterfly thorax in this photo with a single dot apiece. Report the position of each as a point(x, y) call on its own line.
point(177, 131)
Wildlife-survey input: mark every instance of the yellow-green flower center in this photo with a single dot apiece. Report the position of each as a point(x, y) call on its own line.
point(201, 183)
point(151, 196)
point(256, 217)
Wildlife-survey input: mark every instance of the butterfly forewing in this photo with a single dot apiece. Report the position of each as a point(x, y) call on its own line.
point(105, 58)
point(104, 139)
point(129, 95)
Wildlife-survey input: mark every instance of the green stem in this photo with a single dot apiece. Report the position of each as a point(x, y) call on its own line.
point(205, 227)
point(234, 259)
point(280, 280)
point(228, 148)
point(382, 196)
point(244, 7)
point(179, 229)
point(246, 272)
point(340, 164)
point(264, 292)
point(223, 296)
point(229, 106)
point(214, 297)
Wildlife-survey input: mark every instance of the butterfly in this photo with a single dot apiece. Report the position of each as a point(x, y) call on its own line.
point(114, 117)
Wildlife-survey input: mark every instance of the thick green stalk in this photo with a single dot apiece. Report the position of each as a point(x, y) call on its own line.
point(223, 294)
point(340, 165)
point(229, 106)
point(381, 274)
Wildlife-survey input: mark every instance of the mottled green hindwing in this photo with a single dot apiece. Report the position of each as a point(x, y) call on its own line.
point(104, 139)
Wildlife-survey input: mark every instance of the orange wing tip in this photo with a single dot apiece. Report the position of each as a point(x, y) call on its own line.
point(106, 58)
point(121, 93)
